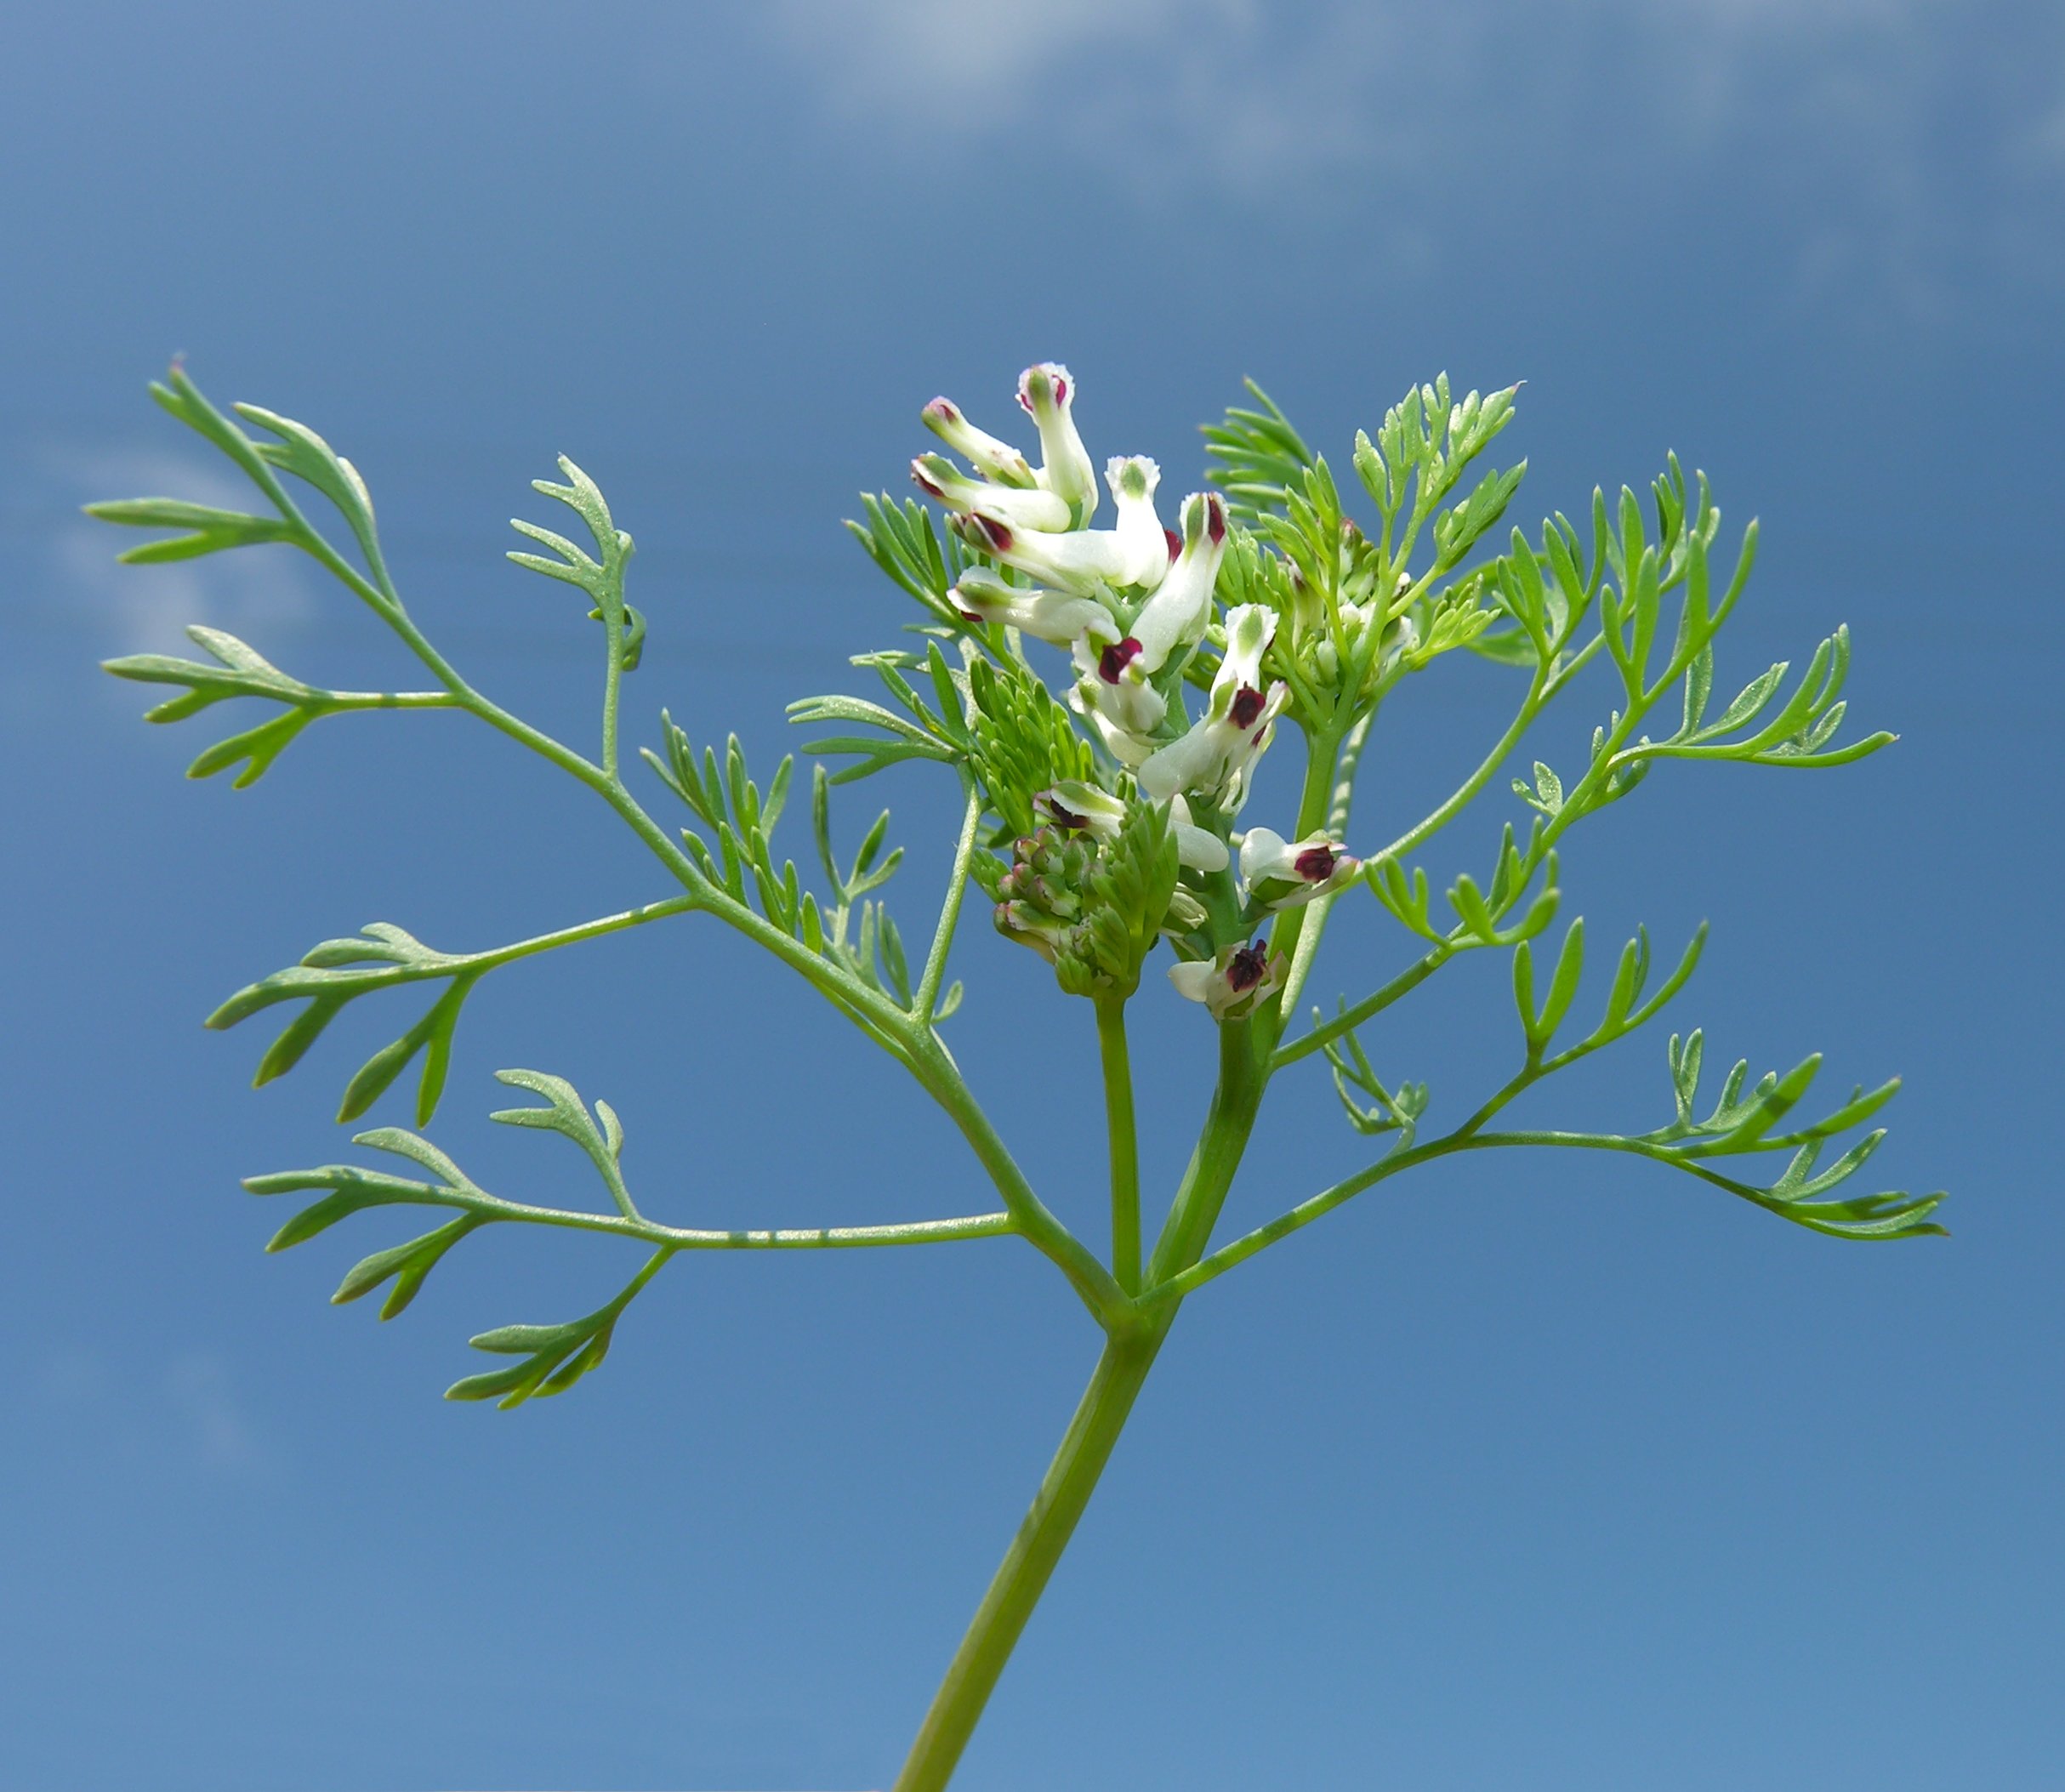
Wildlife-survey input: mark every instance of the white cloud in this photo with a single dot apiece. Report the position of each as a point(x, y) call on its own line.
point(183, 1415)
point(1876, 121)
point(215, 1431)
point(77, 603)
point(146, 609)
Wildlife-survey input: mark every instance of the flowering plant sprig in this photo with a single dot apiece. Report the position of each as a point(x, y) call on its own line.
point(1100, 825)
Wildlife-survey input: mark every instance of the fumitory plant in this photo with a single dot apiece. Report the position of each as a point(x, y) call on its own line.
point(1102, 697)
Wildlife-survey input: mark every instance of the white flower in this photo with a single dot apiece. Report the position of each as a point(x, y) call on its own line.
point(1053, 616)
point(1081, 809)
point(1130, 750)
point(1142, 541)
point(938, 477)
point(1215, 756)
point(998, 459)
point(1231, 984)
point(1113, 684)
point(1197, 848)
point(1079, 561)
point(1284, 873)
point(1175, 616)
point(1048, 392)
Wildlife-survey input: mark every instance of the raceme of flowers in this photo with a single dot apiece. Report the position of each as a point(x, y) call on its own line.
point(1131, 603)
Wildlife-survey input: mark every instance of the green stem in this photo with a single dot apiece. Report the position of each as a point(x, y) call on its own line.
point(1030, 1561)
point(1108, 1302)
point(1195, 1275)
point(1187, 1281)
point(1338, 806)
point(1407, 980)
point(1316, 803)
point(810, 1237)
point(1128, 1353)
point(1125, 1145)
point(1235, 1102)
point(612, 680)
point(949, 910)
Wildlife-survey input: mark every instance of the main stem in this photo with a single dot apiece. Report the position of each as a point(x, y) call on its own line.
point(1072, 1477)
point(1021, 1578)
point(1129, 1352)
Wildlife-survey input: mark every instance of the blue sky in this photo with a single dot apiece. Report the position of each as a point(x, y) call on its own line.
point(1560, 1478)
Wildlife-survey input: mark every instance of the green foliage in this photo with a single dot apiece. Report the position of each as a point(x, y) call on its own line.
point(303, 453)
point(598, 1135)
point(209, 530)
point(1020, 742)
point(1623, 1014)
point(900, 538)
point(602, 580)
point(555, 1356)
point(1388, 1111)
point(1357, 608)
point(1256, 457)
point(336, 972)
point(929, 728)
point(298, 450)
point(1478, 912)
point(850, 928)
point(857, 931)
point(241, 671)
point(1742, 1121)
point(1421, 449)
point(728, 802)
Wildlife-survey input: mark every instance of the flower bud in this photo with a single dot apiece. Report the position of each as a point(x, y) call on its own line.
point(1048, 392)
point(1186, 914)
point(1021, 921)
point(998, 459)
point(938, 477)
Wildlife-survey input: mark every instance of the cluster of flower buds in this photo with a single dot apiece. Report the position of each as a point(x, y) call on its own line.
point(1083, 808)
point(1361, 607)
point(1040, 898)
point(1066, 896)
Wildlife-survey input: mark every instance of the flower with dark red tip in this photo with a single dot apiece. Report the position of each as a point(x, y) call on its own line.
point(1081, 808)
point(1048, 393)
point(1053, 616)
point(999, 460)
point(1282, 873)
point(1234, 982)
point(938, 477)
point(1214, 755)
